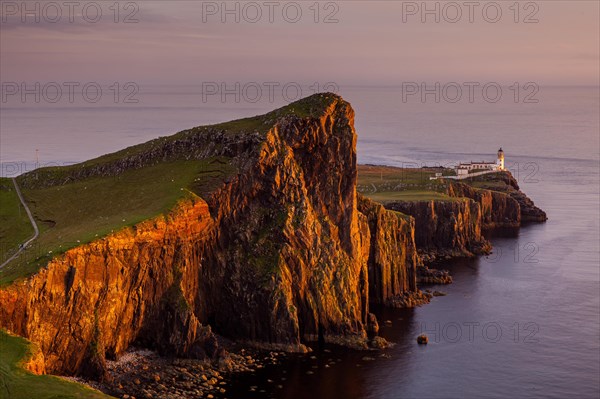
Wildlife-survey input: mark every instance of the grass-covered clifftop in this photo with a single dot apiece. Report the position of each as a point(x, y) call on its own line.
point(82, 210)
point(78, 203)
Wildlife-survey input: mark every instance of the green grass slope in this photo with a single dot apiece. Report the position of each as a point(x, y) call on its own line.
point(17, 383)
point(15, 227)
point(76, 213)
point(386, 184)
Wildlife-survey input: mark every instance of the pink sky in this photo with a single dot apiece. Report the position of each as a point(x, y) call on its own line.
point(370, 44)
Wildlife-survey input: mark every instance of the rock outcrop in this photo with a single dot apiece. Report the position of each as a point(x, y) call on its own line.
point(425, 275)
point(281, 253)
point(35, 362)
point(505, 183)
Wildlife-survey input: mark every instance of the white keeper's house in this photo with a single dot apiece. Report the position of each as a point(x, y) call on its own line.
point(471, 167)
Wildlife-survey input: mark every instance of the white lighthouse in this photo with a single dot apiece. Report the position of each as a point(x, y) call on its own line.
point(500, 160)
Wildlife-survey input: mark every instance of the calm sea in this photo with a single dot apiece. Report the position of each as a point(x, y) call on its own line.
point(524, 322)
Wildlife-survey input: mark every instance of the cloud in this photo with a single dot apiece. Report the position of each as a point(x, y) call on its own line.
point(77, 21)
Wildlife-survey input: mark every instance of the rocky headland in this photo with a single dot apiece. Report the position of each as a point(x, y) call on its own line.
point(281, 254)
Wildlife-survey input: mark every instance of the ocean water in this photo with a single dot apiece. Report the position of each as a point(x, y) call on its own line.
point(523, 322)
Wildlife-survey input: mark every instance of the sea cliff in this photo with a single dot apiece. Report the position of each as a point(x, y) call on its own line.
point(453, 223)
point(282, 252)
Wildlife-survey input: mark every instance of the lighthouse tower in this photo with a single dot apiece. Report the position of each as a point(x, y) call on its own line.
point(500, 160)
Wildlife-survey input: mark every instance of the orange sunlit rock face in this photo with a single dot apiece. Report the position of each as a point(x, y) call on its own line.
point(113, 284)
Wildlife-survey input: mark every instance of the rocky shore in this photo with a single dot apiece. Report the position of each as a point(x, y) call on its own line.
point(425, 275)
point(141, 373)
point(409, 299)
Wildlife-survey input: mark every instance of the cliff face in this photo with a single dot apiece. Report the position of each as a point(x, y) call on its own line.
point(279, 254)
point(446, 228)
point(288, 258)
point(393, 257)
point(497, 209)
point(505, 184)
point(98, 298)
point(454, 228)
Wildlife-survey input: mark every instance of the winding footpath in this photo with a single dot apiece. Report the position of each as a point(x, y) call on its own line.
point(35, 227)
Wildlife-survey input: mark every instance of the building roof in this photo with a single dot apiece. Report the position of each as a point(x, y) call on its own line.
point(476, 163)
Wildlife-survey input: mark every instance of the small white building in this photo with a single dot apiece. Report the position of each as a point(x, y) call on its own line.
point(470, 167)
